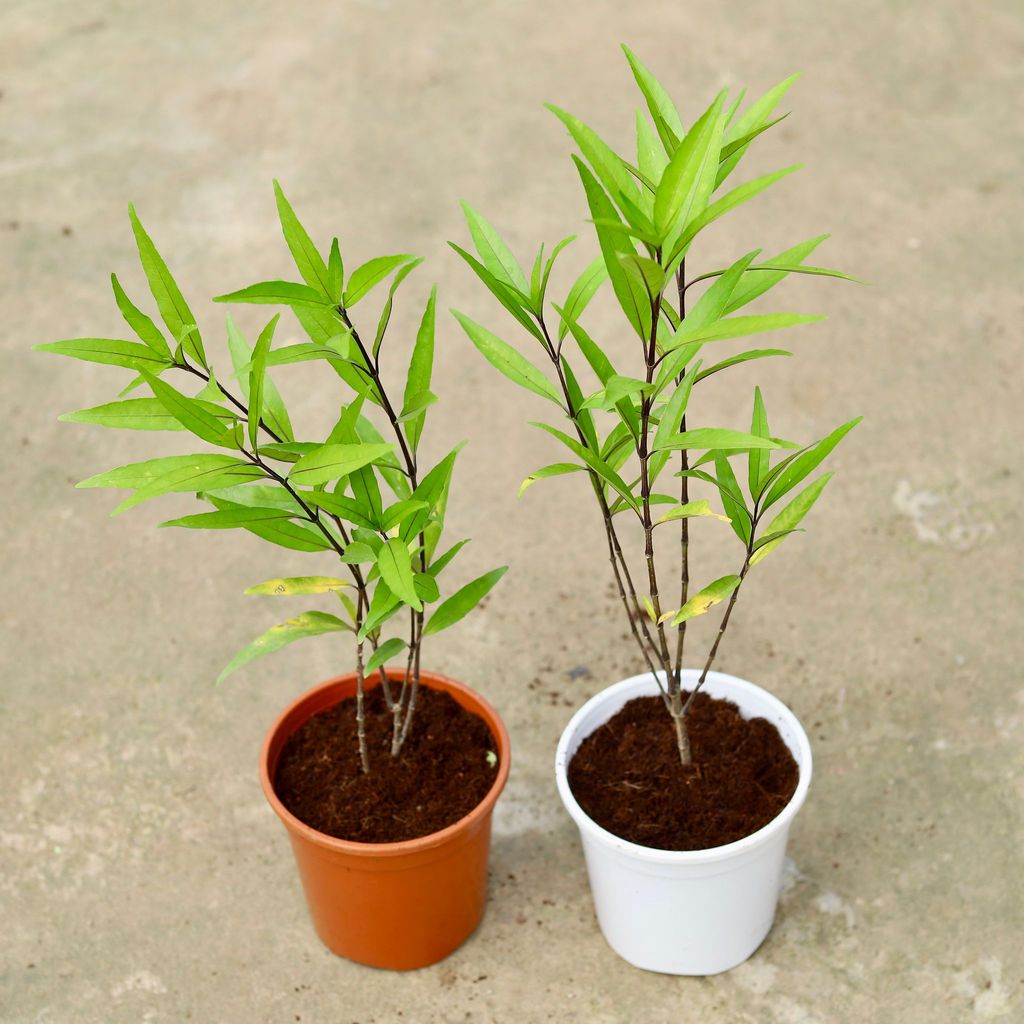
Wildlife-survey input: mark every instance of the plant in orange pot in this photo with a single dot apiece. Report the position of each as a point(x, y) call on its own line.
point(385, 777)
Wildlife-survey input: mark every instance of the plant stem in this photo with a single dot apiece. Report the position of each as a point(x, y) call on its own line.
point(623, 580)
point(684, 497)
point(364, 757)
point(404, 709)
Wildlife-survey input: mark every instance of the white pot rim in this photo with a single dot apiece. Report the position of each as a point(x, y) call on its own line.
point(718, 684)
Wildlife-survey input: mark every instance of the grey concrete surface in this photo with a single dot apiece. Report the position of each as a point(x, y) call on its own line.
point(142, 876)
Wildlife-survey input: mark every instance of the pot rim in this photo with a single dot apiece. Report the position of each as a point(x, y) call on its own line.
point(435, 680)
point(644, 685)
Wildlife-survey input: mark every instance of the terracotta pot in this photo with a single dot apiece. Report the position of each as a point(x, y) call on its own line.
point(394, 905)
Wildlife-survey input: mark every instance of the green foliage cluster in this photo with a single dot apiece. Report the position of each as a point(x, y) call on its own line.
point(358, 494)
point(637, 428)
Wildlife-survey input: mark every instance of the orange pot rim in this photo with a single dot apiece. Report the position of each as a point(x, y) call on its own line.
point(435, 680)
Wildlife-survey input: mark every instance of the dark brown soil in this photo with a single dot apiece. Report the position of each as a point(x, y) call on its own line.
point(627, 775)
point(442, 773)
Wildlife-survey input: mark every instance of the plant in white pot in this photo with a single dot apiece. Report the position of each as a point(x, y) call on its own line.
point(683, 782)
point(385, 778)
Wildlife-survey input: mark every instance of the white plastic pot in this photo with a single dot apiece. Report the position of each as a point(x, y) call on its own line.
point(692, 912)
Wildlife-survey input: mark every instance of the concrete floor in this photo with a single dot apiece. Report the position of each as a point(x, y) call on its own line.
point(143, 877)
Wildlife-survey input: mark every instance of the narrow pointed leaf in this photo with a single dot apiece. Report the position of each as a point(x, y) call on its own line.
point(110, 351)
point(140, 414)
point(370, 274)
point(463, 601)
point(286, 586)
point(387, 650)
point(257, 376)
point(805, 464)
point(312, 623)
point(417, 381)
point(307, 258)
point(192, 414)
point(758, 459)
point(508, 360)
point(169, 300)
point(228, 518)
point(556, 469)
point(789, 518)
point(582, 291)
point(396, 571)
point(494, 252)
point(717, 439)
point(141, 324)
point(275, 415)
point(704, 600)
point(334, 461)
point(277, 293)
point(663, 110)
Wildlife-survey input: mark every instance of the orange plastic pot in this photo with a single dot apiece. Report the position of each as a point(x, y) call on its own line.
point(393, 905)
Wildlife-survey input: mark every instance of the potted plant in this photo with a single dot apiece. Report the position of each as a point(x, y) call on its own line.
point(386, 777)
point(683, 782)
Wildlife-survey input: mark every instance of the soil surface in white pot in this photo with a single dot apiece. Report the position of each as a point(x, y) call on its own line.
point(446, 767)
point(628, 777)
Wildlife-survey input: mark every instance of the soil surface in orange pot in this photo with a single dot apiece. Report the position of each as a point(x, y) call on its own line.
point(628, 778)
point(441, 774)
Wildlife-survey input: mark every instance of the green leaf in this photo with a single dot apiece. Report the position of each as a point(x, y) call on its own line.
point(758, 459)
point(631, 293)
point(494, 253)
point(463, 601)
point(688, 510)
point(141, 324)
point(193, 415)
point(417, 381)
point(741, 326)
point(110, 351)
point(442, 561)
point(383, 605)
point(357, 552)
point(286, 586)
point(607, 164)
point(555, 253)
point(178, 473)
point(308, 260)
point(396, 571)
point(690, 175)
point(735, 508)
point(650, 154)
point(805, 464)
point(556, 469)
point(730, 201)
point(169, 300)
point(370, 274)
point(335, 273)
point(756, 281)
point(426, 587)
point(334, 461)
point(275, 415)
point(582, 291)
point(663, 110)
point(598, 465)
point(307, 624)
point(788, 519)
point(277, 293)
point(704, 600)
point(257, 375)
point(336, 351)
point(755, 116)
point(505, 294)
point(507, 360)
point(717, 439)
point(743, 357)
point(228, 518)
point(387, 650)
point(673, 411)
point(399, 512)
point(140, 414)
point(345, 508)
point(431, 491)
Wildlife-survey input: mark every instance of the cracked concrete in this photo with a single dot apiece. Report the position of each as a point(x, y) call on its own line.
point(142, 877)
